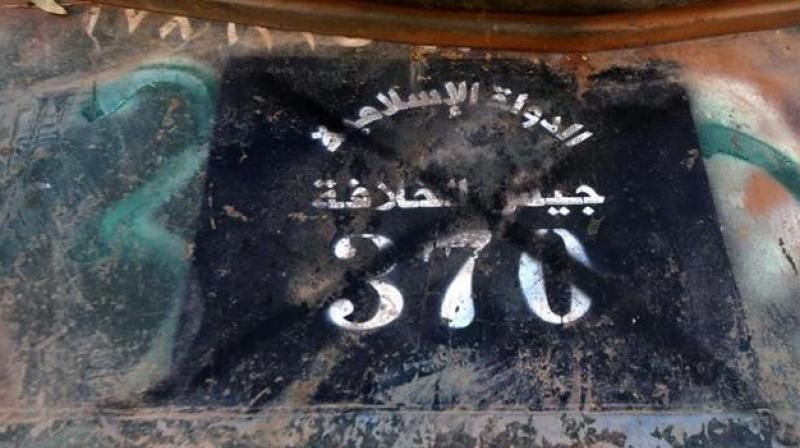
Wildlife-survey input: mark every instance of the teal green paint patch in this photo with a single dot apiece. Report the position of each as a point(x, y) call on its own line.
point(718, 139)
point(132, 220)
point(133, 230)
point(198, 87)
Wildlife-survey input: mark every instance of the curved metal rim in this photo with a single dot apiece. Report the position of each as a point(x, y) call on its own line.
point(576, 33)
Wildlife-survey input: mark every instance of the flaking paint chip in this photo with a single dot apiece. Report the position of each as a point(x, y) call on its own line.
point(235, 214)
point(50, 6)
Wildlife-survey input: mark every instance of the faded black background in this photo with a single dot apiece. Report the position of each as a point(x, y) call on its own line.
point(665, 328)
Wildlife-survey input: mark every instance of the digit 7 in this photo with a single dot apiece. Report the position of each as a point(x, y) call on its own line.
point(458, 307)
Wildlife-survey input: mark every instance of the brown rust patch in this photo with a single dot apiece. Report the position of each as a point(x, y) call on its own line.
point(301, 392)
point(480, 29)
point(762, 194)
point(11, 370)
point(235, 214)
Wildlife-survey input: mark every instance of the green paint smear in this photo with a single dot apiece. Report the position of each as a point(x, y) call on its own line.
point(131, 228)
point(718, 139)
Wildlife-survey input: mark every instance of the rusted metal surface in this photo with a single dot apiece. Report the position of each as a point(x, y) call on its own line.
point(560, 7)
point(490, 29)
point(168, 264)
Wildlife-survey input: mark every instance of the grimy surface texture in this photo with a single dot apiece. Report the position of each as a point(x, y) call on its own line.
point(218, 235)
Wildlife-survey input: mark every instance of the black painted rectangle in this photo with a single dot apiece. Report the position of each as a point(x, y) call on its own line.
point(664, 328)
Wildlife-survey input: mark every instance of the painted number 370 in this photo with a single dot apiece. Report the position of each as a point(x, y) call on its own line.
point(457, 308)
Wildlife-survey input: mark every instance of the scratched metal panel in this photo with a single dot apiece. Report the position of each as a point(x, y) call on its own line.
point(540, 250)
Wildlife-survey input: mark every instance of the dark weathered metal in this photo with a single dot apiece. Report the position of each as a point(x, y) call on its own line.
point(166, 278)
point(564, 33)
